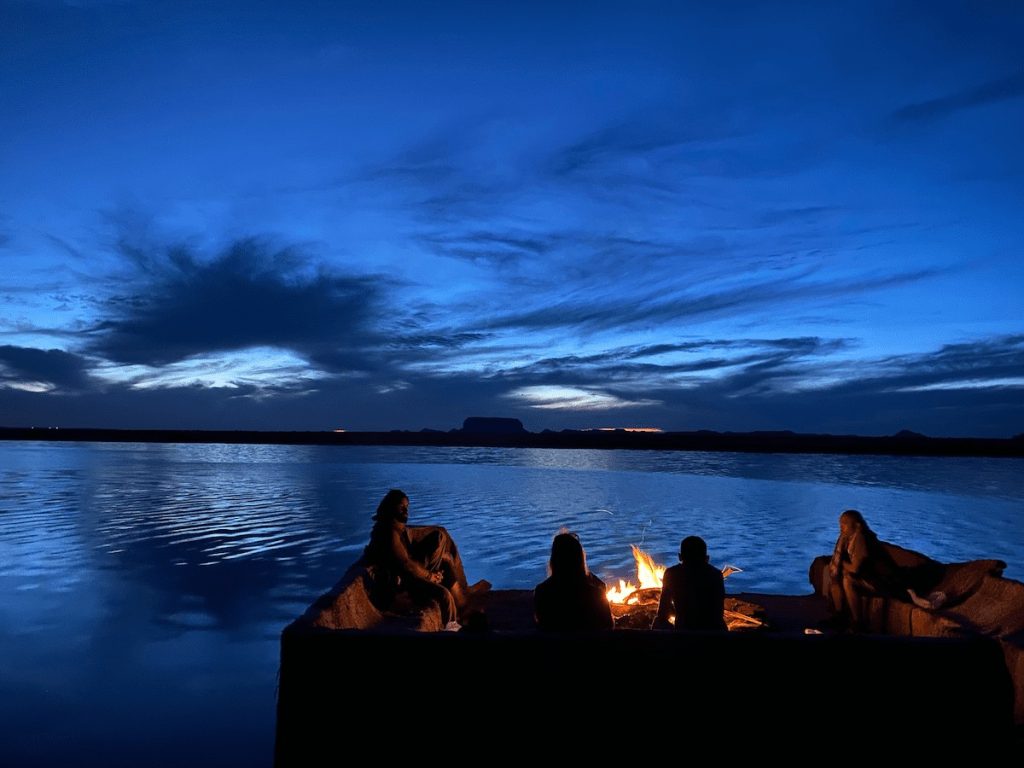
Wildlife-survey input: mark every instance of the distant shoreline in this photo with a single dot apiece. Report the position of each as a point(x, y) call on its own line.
point(745, 442)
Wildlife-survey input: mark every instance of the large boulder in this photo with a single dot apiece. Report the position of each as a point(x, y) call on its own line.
point(978, 601)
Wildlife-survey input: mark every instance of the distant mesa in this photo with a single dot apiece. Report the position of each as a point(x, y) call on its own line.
point(490, 425)
point(906, 434)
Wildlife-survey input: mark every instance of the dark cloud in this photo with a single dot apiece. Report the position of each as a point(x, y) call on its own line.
point(954, 366)
point(1011, 87)
point(251, 294)
point(55, 367)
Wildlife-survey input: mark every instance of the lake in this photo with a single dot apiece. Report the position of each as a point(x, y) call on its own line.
point(143, 587)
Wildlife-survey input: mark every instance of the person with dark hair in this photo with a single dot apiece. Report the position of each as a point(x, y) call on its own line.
point(861, 565)
point(571, 598)
point(694, 591)
point(420, 560)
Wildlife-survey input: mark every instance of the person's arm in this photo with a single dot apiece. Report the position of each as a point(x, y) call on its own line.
point(539, 607)
point(665, 605)
point(857, 549)
point(400, 555)
point(602, 610)
point(836, 564)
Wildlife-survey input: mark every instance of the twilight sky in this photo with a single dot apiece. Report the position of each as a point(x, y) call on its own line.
point(396, 215)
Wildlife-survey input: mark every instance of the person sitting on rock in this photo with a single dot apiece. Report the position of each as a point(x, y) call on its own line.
point(694, 591)
point(571, 598)
point(861, 566)
point(420, 560)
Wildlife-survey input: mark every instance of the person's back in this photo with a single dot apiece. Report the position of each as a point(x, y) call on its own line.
point(694, 591)
point(572, 598)
point(571, 603)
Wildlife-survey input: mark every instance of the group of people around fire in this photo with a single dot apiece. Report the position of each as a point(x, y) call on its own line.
point(423, 562)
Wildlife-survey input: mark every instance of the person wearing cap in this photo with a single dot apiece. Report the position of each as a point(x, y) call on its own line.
point(693, 591)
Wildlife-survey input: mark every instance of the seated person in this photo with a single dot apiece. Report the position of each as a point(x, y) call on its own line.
point(571, 598)
point(861, 566)
point(694, 591)
point(420, 560)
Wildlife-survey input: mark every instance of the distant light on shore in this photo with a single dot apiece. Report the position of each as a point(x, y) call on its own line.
point(625, 429)
point(339, 430)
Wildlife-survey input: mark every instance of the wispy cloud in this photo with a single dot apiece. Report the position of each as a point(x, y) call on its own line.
point(489, 248)
point(1011, 87)
point(612, 311)
point(555, 398)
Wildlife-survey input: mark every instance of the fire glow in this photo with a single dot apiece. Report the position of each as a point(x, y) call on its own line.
point(651, 576)
point(648, 573)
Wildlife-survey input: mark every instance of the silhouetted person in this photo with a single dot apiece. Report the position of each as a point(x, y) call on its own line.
point(860, 566)
point(421, 560)
point(571, 598)
point(694, 591)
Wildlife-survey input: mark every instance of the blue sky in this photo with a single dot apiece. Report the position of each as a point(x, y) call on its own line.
point(387, 215)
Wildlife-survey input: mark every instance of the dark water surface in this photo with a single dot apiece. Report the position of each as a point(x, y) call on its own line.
point(143, 588)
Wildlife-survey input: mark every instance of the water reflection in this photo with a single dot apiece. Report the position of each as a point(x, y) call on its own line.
point(144, 587)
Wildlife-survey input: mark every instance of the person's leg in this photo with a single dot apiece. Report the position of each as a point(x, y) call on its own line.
point(424, 592)
point(435, 548)
point(835, 599)
point(852, 599)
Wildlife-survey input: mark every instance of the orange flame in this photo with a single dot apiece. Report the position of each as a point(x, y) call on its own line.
point(648, 573)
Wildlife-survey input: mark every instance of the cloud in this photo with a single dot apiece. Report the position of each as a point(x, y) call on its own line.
point(488, 248)
point(42, 369)
point(575, 399)
point(612, 144)
point(995, 362)
point(616, 312)
point(250, 294)
point(767, 387)
point(808, 214)
point(1011, 87)
point(666, 362)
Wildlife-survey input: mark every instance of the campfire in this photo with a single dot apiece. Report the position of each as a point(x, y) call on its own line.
point(650, 576)
point(631, 603)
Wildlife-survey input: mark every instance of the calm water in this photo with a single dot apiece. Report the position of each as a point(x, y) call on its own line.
point(143, 588)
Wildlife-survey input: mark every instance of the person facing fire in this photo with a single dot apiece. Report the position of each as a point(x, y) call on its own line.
point(571, 598)
point(694, 591)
